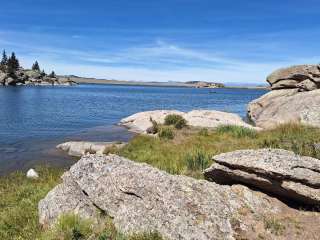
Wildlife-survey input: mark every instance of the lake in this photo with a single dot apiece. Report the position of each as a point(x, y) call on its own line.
point(33, 120)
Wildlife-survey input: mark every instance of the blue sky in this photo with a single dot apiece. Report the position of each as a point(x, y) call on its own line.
point(163, 40)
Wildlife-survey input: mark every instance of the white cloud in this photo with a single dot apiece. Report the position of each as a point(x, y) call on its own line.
point(157, 61)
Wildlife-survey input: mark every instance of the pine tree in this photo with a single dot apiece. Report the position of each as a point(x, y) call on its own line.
point(4, 61)
point(13, 65)
point(43, 73)
point(36, 67)
point(52, 74)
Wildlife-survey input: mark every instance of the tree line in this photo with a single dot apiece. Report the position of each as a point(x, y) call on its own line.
point(11, 65)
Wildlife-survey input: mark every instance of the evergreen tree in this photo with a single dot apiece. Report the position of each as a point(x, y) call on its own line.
point(43, 73)
point(4, 61)
point(52, 74)
point(36, 67)
point(13, 65)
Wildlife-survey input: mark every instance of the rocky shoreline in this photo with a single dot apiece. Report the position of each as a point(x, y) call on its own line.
point(243, 189)
point(12, 74)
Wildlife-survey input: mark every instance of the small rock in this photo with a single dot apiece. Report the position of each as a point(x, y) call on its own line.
point(32, 174)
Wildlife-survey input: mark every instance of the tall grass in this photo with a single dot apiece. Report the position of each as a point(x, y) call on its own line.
point(166, 133)
point(236, 131)
point(178, 156)
point(72, 227)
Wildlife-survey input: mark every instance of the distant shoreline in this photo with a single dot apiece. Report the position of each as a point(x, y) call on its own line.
point(82, 80)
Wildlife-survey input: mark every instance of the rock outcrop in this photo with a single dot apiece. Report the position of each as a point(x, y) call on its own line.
point(295, 98)
point(302, 77)
point(32, 78)
point(201, 84)
point(276, 171)
point(140, 122)
point(78, 149)
point(140, 198)
point(286, 106)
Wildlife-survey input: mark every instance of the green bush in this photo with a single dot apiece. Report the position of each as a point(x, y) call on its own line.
point(204, 132)
point(237, 131)
point(166, 133)
point(176, 120)
point(181, 124)
point(197, 160)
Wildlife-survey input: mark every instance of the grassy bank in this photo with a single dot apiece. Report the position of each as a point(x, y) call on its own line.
point(188, 152)
point(191, 150)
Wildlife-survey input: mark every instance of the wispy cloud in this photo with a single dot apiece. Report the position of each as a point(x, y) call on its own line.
point(250, 60)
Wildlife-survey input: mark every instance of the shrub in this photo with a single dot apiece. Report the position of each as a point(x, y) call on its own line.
point(274, 225)
point(181, 124)
point(154, 129)
point(197, 160)
point(237, 131)
point(176, 120)
point(70, 226)
point(166, 133)
point(204, 132)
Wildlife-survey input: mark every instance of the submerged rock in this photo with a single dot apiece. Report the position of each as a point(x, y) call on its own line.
point(276, 171)
point(140, 198)
point(140, 122)
point(78, 149)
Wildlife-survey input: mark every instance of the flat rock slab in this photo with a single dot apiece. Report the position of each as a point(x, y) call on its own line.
point(140, 122)
point(78, 149)
point(275, 171)
point(141, 198)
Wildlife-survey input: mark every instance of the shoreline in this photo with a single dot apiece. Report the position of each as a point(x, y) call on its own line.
point(82, 80)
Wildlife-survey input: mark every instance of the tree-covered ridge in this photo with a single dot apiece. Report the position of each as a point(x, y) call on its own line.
point(13, 74)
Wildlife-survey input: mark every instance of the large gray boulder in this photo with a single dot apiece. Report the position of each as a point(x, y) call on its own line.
point(302, 77)
point(140, 122)
point(286, 106)
point(140, 198)
point(275, 171)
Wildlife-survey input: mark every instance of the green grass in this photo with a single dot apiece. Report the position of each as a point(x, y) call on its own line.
point(19, 199)
point(166, 132)
point(72, 227)
point(237, 131)
point(188, 152)
point(174, 155)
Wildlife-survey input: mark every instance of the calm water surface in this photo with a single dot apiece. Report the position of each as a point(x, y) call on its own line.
point(33, 120)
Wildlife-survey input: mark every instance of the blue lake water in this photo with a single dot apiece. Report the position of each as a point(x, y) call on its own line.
point(33, 120)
